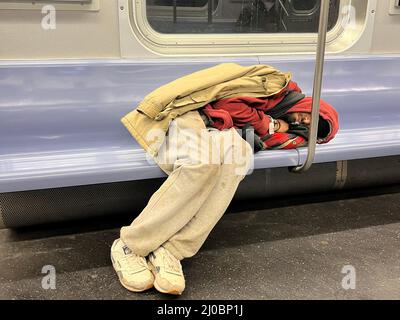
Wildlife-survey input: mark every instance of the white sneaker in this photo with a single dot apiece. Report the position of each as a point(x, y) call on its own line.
point(133, 271)
point(167, 271)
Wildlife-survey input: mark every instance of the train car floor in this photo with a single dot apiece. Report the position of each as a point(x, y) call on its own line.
point(328, 247)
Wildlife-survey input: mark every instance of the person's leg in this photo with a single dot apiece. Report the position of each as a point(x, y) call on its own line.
point(184, 192)
point(234, 157)
point(237, 158)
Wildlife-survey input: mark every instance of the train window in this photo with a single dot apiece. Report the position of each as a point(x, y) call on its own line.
point(237, 16)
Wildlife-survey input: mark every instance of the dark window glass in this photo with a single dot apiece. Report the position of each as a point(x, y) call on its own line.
point(237, 16)
point(305, 5)
point(179, 3)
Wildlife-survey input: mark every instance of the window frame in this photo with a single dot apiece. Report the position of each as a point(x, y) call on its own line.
point(223, 39)
point(137, 38)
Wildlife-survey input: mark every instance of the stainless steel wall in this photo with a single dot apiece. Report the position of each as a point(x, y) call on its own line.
point(78, 34)
point(386, 29)
point(95, 34)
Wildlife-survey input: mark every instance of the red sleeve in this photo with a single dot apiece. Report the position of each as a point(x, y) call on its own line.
point(241, 114)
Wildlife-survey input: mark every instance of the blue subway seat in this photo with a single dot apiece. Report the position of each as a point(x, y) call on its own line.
point(60, 121)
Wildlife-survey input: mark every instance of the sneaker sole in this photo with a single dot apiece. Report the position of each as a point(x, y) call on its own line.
point(128, 287)
point(156, 285)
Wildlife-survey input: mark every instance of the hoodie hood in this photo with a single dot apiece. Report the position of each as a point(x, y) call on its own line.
point(327, 112)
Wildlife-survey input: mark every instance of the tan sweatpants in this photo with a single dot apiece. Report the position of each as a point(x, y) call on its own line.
point(204, 167)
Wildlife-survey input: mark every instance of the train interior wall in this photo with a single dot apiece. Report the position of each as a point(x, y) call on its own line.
point(95, 34)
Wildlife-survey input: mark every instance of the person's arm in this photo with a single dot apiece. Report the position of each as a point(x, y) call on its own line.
point(242, 114)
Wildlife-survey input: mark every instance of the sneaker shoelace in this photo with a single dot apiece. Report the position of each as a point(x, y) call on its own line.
point(134, 263)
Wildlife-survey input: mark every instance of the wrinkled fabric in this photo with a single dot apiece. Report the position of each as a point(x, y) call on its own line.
point(240, 111)
point(182, 212)
point(236, 112)
point(149, 122)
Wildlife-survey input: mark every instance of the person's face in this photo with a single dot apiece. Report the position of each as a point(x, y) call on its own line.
point(299, 117)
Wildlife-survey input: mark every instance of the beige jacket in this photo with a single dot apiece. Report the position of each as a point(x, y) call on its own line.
point(149, 122)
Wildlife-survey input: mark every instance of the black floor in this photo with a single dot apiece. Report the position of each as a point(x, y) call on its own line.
point(257, 251)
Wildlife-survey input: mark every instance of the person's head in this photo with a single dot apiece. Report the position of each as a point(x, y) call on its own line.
point(299, 117)
point(328, 124)
point(304, 118)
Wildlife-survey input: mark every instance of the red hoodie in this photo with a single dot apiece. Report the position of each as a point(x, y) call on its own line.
point(236, 112)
